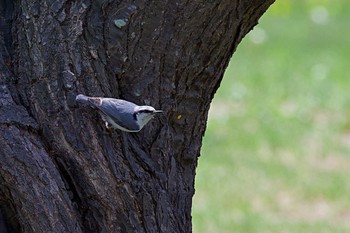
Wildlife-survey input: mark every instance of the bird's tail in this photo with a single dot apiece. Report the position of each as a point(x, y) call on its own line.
point(82, 99)
point(92, 101)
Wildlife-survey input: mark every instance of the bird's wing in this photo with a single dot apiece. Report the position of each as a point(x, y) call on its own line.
point(120, 111)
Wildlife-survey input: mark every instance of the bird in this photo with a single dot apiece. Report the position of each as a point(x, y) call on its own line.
point(120, 114)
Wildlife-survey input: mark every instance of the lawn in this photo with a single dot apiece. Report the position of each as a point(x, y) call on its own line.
point(276, 154)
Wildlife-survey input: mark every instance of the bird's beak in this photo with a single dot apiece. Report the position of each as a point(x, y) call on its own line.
point(158, 111)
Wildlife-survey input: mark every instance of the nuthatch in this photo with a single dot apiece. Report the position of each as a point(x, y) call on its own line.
point(120, 114)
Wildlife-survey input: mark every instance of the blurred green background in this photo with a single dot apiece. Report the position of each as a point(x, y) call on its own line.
point(276, 154)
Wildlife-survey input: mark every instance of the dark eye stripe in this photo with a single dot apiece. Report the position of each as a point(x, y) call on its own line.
point(145, 111)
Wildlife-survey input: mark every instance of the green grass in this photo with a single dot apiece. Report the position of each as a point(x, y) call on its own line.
point(276, 154)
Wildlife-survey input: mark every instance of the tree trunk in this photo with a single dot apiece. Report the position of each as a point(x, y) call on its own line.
point(61, 170)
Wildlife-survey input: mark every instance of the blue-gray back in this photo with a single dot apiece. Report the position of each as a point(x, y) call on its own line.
point(121, 111)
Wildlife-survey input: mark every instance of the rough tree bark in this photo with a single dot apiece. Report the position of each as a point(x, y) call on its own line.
point(61, 170)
